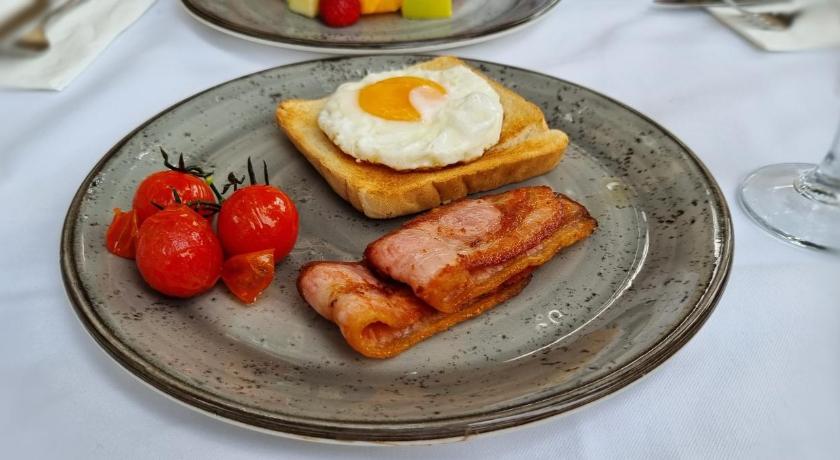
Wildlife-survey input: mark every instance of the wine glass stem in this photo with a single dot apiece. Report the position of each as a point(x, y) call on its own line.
point(823, 182)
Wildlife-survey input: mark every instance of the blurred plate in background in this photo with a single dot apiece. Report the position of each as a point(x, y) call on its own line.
point(270, 22)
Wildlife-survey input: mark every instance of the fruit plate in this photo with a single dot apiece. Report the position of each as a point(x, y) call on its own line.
point(270, 22)
point(597, 317)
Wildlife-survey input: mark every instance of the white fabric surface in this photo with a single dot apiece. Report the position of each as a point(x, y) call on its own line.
point(76, 38)
point(760, 380)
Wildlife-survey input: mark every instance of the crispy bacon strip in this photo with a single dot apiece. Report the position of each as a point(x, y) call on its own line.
point(381, 319)
point(458, 252)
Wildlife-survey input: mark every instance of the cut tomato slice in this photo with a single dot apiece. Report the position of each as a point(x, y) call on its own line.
point(248, 275)
point(121, 238)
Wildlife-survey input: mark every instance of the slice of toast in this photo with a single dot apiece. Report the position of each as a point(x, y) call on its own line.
point(526, 148)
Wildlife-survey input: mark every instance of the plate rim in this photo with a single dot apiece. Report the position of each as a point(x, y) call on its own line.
point(365, 433)
point(363, 48)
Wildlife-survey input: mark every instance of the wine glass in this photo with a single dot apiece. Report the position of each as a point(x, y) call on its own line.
point(798, 202)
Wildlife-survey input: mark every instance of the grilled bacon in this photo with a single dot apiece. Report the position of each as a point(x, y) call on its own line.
point(381, 319)
point(443, 267)
point(458, 252)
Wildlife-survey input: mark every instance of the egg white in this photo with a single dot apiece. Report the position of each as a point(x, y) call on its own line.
point(459, 127)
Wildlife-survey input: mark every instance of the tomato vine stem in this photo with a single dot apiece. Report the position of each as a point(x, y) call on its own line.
point(182, 166)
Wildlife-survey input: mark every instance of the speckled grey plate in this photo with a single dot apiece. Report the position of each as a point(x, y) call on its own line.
point(270, 22)
point(597, 317)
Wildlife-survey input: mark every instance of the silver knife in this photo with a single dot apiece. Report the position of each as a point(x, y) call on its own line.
point(696, 3)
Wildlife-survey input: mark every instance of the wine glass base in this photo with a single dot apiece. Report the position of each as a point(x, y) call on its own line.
point(769, 197)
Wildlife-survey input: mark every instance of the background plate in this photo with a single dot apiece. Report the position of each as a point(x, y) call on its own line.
point(597, 317)
point(270, 22)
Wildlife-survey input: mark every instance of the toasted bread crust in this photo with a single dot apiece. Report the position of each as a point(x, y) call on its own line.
point(526, 148)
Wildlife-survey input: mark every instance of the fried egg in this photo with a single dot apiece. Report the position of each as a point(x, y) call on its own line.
point(414, 118)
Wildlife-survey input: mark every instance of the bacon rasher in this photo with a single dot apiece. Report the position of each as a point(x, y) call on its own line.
point(460, 251)
point(381, 319)
point(443, 267)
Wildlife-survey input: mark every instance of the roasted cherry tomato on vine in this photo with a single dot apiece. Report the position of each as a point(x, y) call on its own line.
point(258, 217)
point(177, 252)
point(248, 275)
point(156, 189)
point(121, 238)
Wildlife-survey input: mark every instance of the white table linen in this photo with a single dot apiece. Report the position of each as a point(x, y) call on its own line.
point(760, 380)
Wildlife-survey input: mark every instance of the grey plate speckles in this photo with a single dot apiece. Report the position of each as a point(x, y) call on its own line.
point(597, 317)
point(270, 22)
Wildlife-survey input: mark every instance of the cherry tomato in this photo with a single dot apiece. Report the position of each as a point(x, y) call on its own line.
point(121, 238)
point(258, 217)
point(248, 275)
point(157, 188)
point(177, 252)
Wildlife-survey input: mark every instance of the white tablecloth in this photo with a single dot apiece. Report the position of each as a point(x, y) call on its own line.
point(760, 380)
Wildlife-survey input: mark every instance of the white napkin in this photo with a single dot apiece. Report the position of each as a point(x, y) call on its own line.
point(816, 26)
point(76, 38)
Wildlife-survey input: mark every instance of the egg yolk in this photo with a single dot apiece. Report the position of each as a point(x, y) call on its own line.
point(391, 98)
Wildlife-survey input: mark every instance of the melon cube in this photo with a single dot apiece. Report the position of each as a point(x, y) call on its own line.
point(380, 6)
point(426, 9)
point(304, 7)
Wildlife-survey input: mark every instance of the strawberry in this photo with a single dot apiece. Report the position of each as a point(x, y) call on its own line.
point(340, 13)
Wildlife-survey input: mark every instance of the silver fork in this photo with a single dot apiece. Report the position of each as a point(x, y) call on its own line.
point(705, 3)
point(764, 21)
